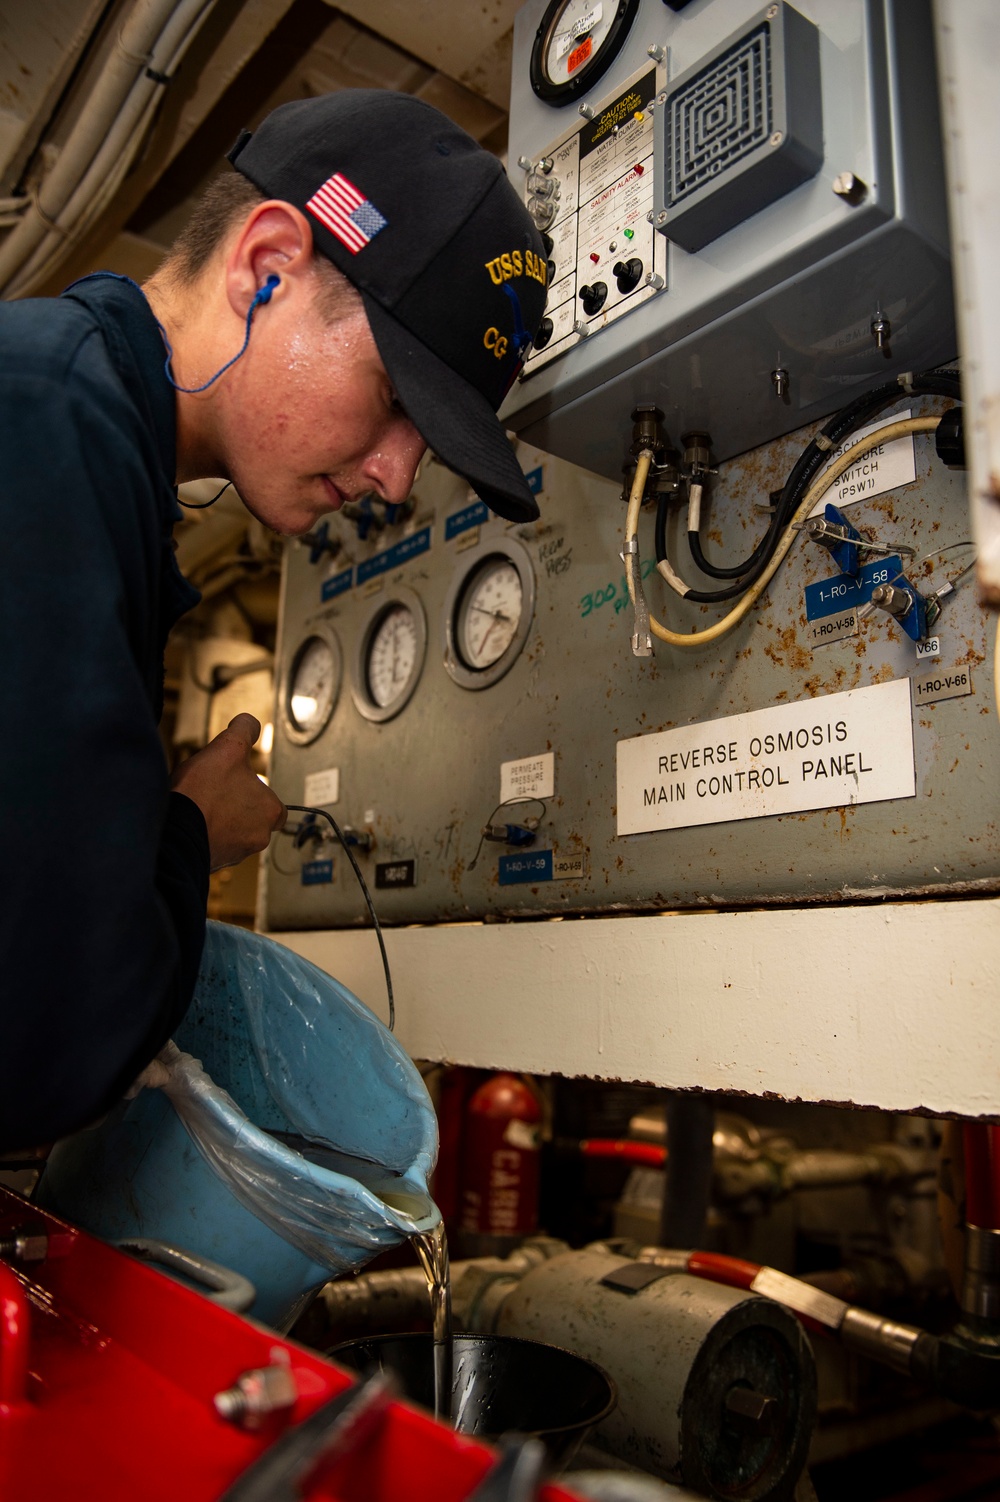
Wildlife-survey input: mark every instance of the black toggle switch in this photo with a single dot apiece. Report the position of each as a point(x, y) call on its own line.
point(594, 298)
point(628, 274)
point(544, 333)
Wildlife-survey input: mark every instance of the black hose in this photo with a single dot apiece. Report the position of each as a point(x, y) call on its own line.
point(806, 467)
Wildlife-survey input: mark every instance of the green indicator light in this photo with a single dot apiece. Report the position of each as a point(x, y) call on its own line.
point(629, 234)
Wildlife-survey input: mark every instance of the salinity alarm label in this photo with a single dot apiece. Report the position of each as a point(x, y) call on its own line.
point(853, 747)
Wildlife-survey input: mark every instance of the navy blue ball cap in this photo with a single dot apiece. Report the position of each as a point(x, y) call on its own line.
point(448, 262)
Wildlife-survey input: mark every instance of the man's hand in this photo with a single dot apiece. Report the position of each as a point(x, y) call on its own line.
point(241, 813)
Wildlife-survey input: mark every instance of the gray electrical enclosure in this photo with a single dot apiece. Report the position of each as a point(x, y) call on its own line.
point(750, 191)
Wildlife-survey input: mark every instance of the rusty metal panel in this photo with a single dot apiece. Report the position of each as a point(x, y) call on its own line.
point(425, 782)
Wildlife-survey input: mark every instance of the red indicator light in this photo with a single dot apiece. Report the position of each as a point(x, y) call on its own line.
point(594, 257)
point(638, 169)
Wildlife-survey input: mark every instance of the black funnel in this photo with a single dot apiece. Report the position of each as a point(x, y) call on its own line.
point(499, 1383)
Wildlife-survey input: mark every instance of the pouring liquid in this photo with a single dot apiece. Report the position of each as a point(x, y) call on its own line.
point(431, 1248)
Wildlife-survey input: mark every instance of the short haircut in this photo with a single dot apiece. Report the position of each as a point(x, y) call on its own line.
point(225, 202)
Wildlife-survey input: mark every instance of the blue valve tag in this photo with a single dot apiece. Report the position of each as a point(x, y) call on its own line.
point(533, 865)
point(400, 552)
point(317, 873)
point(535, 478)
point(462, 521)
point(830, 596)
point(337, 584)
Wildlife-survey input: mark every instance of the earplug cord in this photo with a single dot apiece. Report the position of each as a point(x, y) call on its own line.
point(263, 296)
point(321, 813)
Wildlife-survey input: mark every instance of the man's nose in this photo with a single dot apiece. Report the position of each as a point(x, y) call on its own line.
point(392, 467)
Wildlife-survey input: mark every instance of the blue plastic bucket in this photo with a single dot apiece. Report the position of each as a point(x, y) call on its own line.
point(283, 1048)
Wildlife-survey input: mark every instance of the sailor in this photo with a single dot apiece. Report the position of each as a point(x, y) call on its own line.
point(364, 285)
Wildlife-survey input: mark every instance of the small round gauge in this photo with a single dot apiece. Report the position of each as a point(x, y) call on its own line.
point(488, 612)
point(576, 42)
point(311, 686)
point(390, 657)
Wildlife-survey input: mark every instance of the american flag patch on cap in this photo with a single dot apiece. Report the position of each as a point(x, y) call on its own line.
point(346, 213)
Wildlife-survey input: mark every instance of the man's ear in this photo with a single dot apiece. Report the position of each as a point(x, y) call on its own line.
point(275, 239)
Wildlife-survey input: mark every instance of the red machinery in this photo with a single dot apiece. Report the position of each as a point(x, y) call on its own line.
point(110, 1375)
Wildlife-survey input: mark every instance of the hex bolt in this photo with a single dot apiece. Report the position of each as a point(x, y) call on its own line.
point(255, 1394)
point(656, 52)
point(850, 188)
point(524, 163)
point(654, 279)
point(895, 602)
point(881, 330)
point(581, 328)
point(779, 380)
point(751, 1411)
point(587, 111)
point(24, 1245)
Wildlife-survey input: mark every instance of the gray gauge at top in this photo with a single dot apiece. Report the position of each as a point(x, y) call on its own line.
point(488, 612)
point(310, 688)
point(390, 655)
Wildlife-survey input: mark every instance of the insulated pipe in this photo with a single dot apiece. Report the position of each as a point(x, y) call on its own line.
point(103, 177)
point(128, 60)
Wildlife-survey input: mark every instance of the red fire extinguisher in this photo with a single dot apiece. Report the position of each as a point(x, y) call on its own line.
point(498, 1199)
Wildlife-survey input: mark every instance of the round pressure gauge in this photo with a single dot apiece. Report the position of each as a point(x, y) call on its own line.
point(488, 612)
point(576, 42)
point(390, 656)
point(311, 685)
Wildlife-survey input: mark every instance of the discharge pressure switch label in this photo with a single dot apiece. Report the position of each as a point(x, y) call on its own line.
point(854, 747)
point(390, 874)
point(317, 873)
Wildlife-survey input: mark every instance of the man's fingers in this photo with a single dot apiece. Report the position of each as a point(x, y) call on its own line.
point(246, 728)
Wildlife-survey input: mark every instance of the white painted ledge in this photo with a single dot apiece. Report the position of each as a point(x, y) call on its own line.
point(894, 1006)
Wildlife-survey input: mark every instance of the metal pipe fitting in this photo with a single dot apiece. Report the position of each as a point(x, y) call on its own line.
point(880, 1339)
point(981, 1279)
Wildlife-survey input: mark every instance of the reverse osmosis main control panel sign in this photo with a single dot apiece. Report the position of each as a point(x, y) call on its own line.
point(854, 747)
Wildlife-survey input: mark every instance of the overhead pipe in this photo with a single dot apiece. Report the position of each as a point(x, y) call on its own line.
point(153, 37)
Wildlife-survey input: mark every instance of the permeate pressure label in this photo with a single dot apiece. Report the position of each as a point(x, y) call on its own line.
point(839, 749)
point(530, 777)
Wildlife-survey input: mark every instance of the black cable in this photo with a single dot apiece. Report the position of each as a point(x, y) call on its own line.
point(299, 808)
point(808, 464)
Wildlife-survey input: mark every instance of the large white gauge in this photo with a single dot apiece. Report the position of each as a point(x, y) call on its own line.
point(576, 42)
point(309, 691)
point(488, 612)
point(390, 656)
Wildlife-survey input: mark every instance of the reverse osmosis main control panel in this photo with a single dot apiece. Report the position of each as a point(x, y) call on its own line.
point(462, 695)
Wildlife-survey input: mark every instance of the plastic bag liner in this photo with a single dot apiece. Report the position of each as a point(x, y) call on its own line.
point(299, 1101)
point(329, 1204)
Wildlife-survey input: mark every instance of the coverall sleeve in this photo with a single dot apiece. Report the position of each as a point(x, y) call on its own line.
point(104, 872)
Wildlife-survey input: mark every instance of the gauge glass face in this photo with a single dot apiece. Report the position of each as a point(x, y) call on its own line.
point(392, 655)
point(578, 31)
point(489, 613)
point(313, 685)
